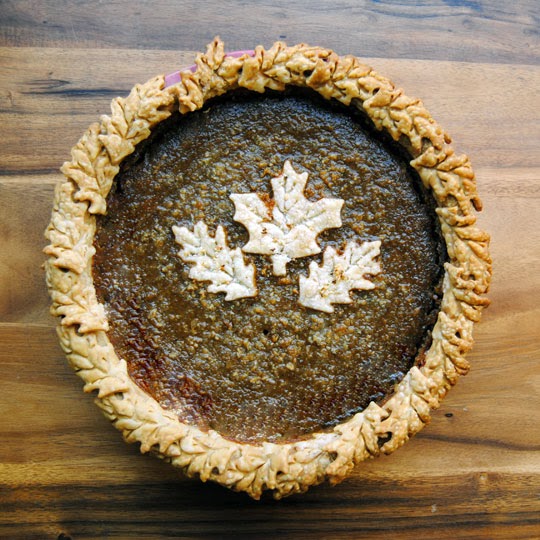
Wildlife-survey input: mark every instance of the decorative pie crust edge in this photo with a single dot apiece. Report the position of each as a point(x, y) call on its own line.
point(291, 467)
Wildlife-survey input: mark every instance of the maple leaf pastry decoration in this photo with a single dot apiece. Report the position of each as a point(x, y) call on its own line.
point(340, 273)
point(288, 227)
point(215, 261)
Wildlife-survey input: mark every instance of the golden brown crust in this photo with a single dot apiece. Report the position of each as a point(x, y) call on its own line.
point(290, 467)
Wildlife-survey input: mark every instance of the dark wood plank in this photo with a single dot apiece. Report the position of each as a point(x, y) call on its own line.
point(366, 509)
point(25, 210)
point(460, 30)
point(49, 97)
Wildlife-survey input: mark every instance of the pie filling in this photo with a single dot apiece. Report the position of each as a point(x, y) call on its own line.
point(264, 366)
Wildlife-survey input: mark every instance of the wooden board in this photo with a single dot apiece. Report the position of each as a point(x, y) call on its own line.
point(473, 473)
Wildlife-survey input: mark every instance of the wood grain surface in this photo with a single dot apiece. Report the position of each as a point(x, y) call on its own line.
point(474, 472)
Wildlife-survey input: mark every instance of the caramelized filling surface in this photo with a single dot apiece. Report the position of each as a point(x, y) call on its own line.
point(265, 368)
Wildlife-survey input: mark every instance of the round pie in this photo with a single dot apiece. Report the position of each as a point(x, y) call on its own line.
point(267, 266)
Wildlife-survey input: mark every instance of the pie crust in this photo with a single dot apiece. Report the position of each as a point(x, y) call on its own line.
point(284, 468)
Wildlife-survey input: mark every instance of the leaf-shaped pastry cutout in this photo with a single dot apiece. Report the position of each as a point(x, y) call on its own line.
point(331, 282)
point(216, 262)
point(287, 226)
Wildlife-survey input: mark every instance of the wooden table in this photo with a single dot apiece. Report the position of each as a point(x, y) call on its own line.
point(474, 472)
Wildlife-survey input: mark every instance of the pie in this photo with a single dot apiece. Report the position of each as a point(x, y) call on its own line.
point(267, 266)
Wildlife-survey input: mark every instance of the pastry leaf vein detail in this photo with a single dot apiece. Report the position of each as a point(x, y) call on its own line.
point(331, 282)
point(287, 226)
point(215, 261)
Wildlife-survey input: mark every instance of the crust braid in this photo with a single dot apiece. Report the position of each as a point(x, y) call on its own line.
point(290, 467)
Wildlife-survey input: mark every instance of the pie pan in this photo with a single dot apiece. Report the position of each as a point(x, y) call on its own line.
point(330, 454)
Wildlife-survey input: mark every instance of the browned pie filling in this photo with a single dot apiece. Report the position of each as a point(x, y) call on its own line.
point(265, 368)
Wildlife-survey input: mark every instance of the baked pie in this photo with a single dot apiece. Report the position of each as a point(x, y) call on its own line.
point(267, 266)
